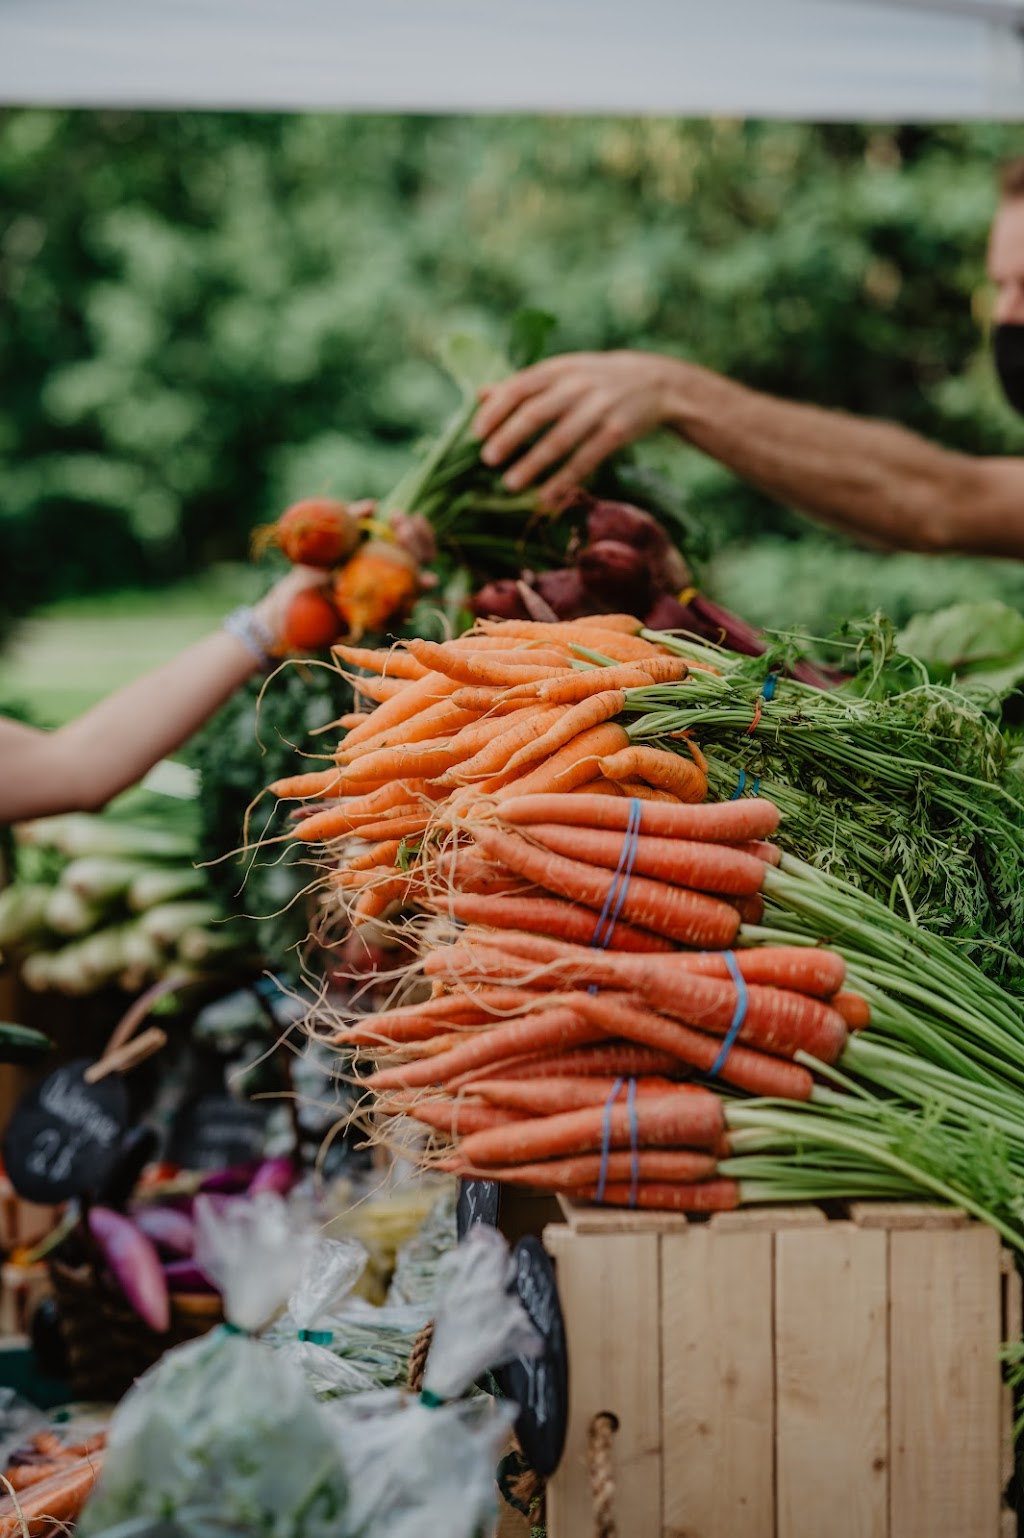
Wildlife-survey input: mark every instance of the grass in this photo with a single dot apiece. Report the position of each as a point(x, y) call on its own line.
point(66, 657)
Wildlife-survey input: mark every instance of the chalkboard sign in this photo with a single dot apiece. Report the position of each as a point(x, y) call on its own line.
point(217, 1130)
point(539, 1385)
point(477, 1202)
point(65, 1136)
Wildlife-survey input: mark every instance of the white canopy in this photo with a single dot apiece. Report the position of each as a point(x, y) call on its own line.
point(899, 60)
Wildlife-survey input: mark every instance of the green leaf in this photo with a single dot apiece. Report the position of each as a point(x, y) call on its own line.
point(472, 362)
point(975, 646)
point(528, 336)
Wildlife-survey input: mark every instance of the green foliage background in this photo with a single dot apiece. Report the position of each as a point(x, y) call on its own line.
point(203, 316)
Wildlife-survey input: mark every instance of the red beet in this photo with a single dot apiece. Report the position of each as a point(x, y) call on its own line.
point(565, 592)
point(498, 600)
point(629, 525)
point(618, 574)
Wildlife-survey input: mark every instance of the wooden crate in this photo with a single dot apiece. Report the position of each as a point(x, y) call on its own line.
point(780, 1374)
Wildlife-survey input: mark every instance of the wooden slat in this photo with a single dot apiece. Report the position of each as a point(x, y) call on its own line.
point(609, 1287)
point(717, 1385)
point(584, 1218)
point(903, 1215)
point(831, 1383)
point(760, 1220)
point(945, 1385)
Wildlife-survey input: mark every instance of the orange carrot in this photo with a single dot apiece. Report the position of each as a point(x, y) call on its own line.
point(704, 1196)
point(552, 1027)
point(803, 968)
point(624, 624)
point(615, 1058)
point(354, 814)
point(428, 759)
point(691, 918)
point(545, 916)
point(665, 771)
point(324, 782)
point(388, 661)
point(675, 1165)
point(643, 792)
point(853, 1007)
point(552, 1094)
point(376, 899)
point(777, 1020)
point(378, 854)
point(757, 1072)
point(402, 822)
point(639, 674)
point(437, 720)
point(373, 688)
point(696, 863)
point(425, 691)
point(771, 854)
point(475, 667)
point(571, 765)
point(750, 908)
point(467, 871)
point(721, 821)
point(685, 1118)
point(456, 1119)
point(565, 725)
point(56, 1500)
point(446, 1009)
point(617, 645)
point(526, 726)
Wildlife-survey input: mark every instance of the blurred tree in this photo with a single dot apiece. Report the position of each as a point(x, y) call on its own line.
point(203, 316)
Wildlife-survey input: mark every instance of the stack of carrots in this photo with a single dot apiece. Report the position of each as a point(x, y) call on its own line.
point(47, 1485)
point(495, 783)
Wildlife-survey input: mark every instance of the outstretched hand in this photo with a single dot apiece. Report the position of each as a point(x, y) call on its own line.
point(572, 411)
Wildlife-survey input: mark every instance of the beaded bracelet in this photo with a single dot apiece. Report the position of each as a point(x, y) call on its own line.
point(246, 626)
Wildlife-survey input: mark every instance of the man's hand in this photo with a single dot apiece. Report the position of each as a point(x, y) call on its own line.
point(584, 406)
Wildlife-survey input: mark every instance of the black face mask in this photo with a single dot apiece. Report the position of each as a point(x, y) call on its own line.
point(1008, 355)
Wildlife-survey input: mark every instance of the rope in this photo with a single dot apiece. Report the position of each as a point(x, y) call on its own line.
point(418, 1357)
point(602, 1479)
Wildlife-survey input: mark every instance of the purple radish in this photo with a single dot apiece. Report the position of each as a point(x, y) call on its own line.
point(274, 1175)
point(230, 1180)
point(135, 1264)
point(170, 1230)
point(185, 1276)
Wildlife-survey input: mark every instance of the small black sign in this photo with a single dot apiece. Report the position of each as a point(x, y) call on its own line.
point(539, 1385)
point(477, 1202)
point(65, 1136)
point(216, 1131)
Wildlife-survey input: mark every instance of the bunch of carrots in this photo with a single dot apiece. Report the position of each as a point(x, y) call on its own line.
point(632, 994)
point(47, 1486)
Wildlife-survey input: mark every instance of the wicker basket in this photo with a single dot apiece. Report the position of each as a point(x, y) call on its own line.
point(108, 1345)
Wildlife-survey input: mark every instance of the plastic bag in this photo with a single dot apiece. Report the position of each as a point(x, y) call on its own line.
point(306, 1334)
point(427, 1464)
point(223, 1437)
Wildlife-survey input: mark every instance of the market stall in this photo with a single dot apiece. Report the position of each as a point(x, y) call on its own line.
point(686, 957)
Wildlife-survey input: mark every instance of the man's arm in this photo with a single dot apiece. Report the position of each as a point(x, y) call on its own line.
point(867, 478)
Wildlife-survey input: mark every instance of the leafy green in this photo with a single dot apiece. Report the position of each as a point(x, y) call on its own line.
point(975, 647)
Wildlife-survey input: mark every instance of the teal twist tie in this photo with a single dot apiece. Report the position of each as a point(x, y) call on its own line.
point(317, 1337)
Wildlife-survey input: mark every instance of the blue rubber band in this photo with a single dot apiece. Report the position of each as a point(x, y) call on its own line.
point(737, 793)
point(739, 1015)
point(755, 788)
point(768, 692)
point(606, 1139)
point(634, 1144)
point(619, 884)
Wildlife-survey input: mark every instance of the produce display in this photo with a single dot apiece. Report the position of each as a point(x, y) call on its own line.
point(614, 985)
point(102, 901)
